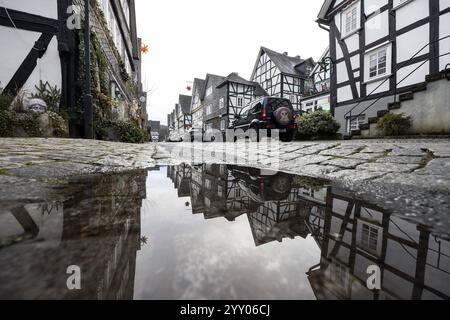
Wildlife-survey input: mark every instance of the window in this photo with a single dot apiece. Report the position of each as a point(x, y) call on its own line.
point(220, 191)
point(369, 237)
point(209, 109)
point(308, 71)
point(355, 122)
point(222, 124)
point(209, 91)
point(221, 103)
point(268, 83)
point(377, 63)
point(293, 98)
point(240, 102)
point(257, 108)
point(350, 19)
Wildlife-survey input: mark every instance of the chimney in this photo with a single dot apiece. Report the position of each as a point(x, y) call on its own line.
point(286, 53)
point(298, 56)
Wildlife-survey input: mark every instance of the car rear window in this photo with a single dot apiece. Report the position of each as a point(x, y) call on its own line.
point(274, 104)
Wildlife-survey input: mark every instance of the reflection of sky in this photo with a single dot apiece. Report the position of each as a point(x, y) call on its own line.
point(188, 257)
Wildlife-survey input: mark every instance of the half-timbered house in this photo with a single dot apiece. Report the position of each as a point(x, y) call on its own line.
point(317, 95)
point(196, 103)
point(389, 56)
point(224, 97)
point(281, 75)
point(184, 113)
point(40, 43)
point(213, 100)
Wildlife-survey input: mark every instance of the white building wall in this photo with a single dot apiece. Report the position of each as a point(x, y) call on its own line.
point(412, 12)
point(377, 27)
point(371, 6)
point(17, 44)
point(408, 44)
point(45, 8)
point(444, 45)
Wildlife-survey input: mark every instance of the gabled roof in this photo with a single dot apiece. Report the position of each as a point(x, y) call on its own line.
point(185, 104)
point(332, 5)
point(200, 84)
point(214, 79)
point(325, 8)
point(325, 54)
point(235, 77)
point(286, 64)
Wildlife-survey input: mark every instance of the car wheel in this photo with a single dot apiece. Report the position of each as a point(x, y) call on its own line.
point(287, 137)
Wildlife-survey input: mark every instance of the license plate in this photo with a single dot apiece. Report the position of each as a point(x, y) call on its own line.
point(283, 130)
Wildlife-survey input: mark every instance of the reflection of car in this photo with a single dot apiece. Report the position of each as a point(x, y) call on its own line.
point(155, 136)
point(261, 188)
point(267, 113)
point(175, 137)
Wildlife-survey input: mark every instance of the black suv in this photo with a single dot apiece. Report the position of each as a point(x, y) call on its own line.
point(267, 113)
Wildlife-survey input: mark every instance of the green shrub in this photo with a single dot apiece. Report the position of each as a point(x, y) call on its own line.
point(59, 124)
point(29, 123)
point(51, 95)
point(6, 123)
point(320, 124)
point(124, 131)
point(394, 124)
point(6, 101)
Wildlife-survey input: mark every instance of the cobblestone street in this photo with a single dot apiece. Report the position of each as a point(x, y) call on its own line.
point(411, 177)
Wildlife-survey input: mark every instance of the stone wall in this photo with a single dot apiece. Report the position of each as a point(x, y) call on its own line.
point(430, 109)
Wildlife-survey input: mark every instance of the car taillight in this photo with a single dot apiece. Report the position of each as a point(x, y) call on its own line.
point(264, 114)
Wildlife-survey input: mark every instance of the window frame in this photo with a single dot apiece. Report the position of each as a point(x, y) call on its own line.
point(344, 15)
point(388, 62)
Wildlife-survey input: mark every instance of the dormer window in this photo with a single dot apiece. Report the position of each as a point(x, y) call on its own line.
point(351, 19)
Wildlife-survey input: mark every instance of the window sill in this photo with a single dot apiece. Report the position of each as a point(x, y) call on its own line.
point(401, 5)
point(378, 78)
point(351, 33)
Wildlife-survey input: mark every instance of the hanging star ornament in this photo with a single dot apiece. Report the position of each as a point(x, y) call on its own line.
point(144, 49)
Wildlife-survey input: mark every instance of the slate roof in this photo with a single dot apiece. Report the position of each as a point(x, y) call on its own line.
point(286, 64)
point(215, 80)
point(185, 104)
point(235, 77)
point(199, 83)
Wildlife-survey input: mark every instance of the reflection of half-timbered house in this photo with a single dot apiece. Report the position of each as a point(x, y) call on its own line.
point(389, 56)
point(100, 234)
point(282, 76)
point(354, 235)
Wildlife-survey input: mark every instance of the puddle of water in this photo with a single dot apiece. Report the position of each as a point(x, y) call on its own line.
point(213, 232)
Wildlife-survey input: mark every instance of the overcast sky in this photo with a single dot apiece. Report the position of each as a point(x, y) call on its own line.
point(188, 39)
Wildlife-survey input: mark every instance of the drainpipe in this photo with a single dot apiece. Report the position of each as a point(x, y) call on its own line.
point(88, 110)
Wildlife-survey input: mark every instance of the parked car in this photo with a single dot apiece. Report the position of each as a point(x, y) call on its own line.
point(262, 188)
point(267, 113)
point(155, 136)
point(175, 137)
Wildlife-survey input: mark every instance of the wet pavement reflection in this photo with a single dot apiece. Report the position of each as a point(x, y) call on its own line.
point(213, 232)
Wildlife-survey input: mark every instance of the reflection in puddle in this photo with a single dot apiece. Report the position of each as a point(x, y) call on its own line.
point(143, 235)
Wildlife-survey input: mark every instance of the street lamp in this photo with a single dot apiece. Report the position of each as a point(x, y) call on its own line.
point(88, 110)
